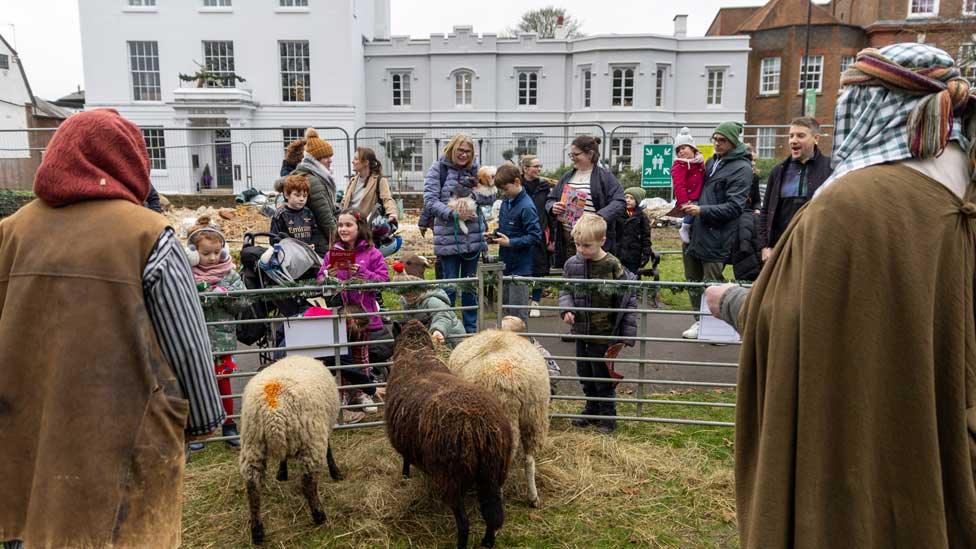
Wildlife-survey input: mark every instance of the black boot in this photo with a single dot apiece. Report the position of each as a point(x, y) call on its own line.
point(609, 409)
point(230, 430)
point(591, 408)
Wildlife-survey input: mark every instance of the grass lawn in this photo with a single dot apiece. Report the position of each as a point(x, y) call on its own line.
point(648, 485)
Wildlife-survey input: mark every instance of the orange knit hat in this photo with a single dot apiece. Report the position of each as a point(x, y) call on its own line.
point(316, 146)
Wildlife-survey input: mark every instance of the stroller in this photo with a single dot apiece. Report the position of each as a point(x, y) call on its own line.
point(288, 261)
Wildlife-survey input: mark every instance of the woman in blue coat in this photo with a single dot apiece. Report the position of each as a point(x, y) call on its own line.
point(455, 174)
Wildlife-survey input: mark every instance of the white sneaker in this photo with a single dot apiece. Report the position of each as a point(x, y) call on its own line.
point(370, 405)
point(534, 313)
point(691, 333)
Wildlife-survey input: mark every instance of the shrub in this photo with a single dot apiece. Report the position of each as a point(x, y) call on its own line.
point(11, 201)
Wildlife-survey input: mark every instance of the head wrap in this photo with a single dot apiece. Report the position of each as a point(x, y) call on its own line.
point(902, 101)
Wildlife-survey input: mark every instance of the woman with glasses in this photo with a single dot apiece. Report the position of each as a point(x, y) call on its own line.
point(604, 196)
point(457, 250)
point(538, 188)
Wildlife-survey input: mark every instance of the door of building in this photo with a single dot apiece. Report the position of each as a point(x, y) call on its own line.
point(224, 159)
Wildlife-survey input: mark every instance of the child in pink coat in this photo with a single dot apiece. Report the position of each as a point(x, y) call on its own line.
point(687, 176)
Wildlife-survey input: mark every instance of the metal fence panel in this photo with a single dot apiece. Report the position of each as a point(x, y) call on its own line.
point(407, 152)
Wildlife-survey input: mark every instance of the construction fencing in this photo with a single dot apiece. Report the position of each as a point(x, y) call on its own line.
point(644, 374)
point(192, 160)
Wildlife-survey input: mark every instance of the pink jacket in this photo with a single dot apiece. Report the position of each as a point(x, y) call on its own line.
point(687, 177)
point(372, 268)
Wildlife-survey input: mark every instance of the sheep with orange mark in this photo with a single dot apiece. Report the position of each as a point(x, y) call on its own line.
point(514, 371)
point(288, 411)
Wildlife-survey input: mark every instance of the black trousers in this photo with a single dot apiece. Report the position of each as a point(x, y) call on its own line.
point(594, 368)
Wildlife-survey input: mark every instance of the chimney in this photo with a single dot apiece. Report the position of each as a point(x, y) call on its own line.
point(680, 26)
point(560, 29)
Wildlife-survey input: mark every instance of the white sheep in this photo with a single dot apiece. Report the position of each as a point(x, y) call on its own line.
point(288, 410)
point(513, 370)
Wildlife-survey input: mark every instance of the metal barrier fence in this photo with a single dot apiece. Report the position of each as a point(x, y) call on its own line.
point(490, 286)
point(189, 160)
point(627, 142)
point(408, 151)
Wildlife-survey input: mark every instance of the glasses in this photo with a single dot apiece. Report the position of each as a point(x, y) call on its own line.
point(574, 155)
point(465, 152)
point(536, 166)
point(719, 140)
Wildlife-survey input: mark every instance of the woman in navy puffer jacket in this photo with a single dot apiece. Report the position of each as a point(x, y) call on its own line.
point(457, 252)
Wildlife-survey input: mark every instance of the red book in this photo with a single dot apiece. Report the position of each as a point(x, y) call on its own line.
point(342, 259)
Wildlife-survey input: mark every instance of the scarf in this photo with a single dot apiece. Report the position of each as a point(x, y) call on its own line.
point(212, 274)
point(320, 170)
point(902, 101)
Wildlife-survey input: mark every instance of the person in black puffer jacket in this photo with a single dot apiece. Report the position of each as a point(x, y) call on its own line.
point(633, 246)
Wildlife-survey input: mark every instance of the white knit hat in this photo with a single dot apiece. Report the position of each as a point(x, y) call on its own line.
point(684, 138)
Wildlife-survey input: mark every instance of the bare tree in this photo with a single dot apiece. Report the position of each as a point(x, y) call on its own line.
point(543, 22)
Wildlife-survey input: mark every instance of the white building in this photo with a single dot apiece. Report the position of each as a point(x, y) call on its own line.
point(333, 64)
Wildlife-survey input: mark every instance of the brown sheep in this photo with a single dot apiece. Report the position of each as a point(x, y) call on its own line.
point(454, 431)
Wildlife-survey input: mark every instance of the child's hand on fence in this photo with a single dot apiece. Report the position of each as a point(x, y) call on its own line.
point(437, 336)
point(569, 318)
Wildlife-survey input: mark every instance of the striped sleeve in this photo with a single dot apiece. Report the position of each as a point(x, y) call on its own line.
point(176, 315)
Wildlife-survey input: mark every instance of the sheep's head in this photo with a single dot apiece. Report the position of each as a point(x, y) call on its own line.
point(410, 337)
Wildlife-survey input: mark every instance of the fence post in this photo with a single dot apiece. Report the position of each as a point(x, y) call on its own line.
point(338, 362)
point(643, 350)
point(484, 269)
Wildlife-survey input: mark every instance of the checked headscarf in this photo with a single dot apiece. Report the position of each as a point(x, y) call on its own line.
point(902, 101)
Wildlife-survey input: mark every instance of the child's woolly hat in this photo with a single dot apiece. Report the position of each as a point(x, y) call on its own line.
point(316, 146)
point(411, 267)
point(684, 137)
point(636, 192)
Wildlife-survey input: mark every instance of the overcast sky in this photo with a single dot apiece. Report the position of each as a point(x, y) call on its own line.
point(46, 35)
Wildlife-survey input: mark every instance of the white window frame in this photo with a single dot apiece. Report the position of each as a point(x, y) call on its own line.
point(819, 65)
point(586, 75)
point(770, 77)
point(933, 13)
point(291, 69)
point(968, 69)
point(463, 92)
point(144, 70)
point(4, 61)
point(529, 142)
point(845, 63)
point(622, 146)
point(715, 96)
point(972, 10)
point(766, 142)
point(218, 3)
point(416, 164)
point(620, 95)
point(660, 83)
point(291, 134)
point(142, 3)
point(400, 88)
point(218, 58)
point(292, 3)
point(527, 87)
point(156, 146)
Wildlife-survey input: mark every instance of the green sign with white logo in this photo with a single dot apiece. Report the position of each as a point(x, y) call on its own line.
point(656, 169)
point(810, 102)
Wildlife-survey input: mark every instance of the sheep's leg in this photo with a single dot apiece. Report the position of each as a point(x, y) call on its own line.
point(310, 487)
point(406, 468)
point(530, 479)
point(283, 471)
point(254, 504)
point(456, 501)
point(333, 468)
point(492, 510)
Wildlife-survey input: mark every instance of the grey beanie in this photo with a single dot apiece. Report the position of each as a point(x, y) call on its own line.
point(684, 137)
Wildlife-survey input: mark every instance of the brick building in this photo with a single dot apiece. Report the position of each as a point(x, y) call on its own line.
point(838, 30)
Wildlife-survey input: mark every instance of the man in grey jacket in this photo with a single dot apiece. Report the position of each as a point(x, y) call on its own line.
point(728, 176)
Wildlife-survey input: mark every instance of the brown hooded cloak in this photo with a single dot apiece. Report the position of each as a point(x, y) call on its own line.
point(858, 372)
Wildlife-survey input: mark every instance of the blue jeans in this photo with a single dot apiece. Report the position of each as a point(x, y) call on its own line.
point(456, 266)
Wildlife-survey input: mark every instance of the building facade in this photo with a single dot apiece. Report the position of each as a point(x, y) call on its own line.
point(838, 30)
point(334, 65)
point(25, 122)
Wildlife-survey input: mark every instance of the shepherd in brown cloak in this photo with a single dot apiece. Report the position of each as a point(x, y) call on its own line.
point(856, 405)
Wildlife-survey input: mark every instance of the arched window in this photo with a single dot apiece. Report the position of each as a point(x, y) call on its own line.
point(462, 88)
